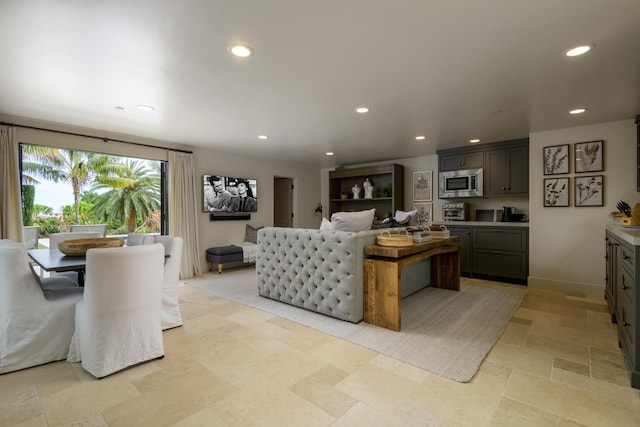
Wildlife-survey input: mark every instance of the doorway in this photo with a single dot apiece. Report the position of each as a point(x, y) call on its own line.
point(282, 202)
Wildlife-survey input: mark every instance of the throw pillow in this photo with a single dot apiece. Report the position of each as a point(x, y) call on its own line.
point(325, 224)
point(352, 221)
point(402, 217)
point(251, 234)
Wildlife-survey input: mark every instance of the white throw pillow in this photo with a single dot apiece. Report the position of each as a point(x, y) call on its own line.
point(352, 221)
point(402, 216)
point(325, 224)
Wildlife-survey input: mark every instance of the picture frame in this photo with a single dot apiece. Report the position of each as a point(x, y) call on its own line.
point(589, 191)
point(424, 208)
point(556, 159)
point(589, 156)
point(423, 186)
point(556, 192)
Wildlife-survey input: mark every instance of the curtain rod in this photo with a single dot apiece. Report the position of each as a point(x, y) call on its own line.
point(97, 137)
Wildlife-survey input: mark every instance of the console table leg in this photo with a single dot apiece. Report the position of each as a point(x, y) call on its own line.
point(382, 293)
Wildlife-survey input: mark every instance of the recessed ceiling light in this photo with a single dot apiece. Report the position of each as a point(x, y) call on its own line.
point(579, 50)
point(420, 137)
point(329, 153)
point(578, 111)
point(263, 137)
point(119, 108)
point(241, 50)
point(473, 141)
point(362, 110)
point(145, 108)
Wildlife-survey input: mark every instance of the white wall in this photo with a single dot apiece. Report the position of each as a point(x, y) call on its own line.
point(566, 245)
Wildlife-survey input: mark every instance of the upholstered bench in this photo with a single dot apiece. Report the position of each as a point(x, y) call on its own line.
point(223, 254)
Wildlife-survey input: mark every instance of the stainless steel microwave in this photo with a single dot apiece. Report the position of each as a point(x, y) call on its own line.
point(460, 183)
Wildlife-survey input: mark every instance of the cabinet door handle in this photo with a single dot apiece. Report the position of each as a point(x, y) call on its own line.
point(498, 252)
point(625, 256)
point(624, 323)
point(497, 231)
point(625, 287)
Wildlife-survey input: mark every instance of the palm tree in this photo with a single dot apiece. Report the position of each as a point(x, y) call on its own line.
point(58, 165)
point(132, 193)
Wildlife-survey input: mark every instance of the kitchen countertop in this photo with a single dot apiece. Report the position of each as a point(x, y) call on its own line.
point(630, 235)
point(483, 223)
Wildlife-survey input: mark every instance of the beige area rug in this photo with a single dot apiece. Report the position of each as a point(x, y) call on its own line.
point(445, 332)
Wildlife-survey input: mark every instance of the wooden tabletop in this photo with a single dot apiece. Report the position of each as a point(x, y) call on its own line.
point(402, 251)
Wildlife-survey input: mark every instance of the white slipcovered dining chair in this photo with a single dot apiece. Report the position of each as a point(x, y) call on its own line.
point(100, 228)
point(171, 316)
point(36, 325)
point(118, 322)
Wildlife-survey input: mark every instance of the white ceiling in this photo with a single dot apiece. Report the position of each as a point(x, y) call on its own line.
point(451, 70)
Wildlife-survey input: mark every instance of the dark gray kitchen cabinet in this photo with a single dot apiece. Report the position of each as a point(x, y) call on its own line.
point(461, 159)
point(507, 170)
point(622, 292)
point(610, 278)
point(465, 246)
point(501, 252)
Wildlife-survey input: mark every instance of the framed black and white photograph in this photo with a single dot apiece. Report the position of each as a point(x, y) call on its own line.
point(556, 192)
point(424, 213)
point(589, 156)
point(556, 159)
point(229, 195)
point(589, 190)
point(423, 186)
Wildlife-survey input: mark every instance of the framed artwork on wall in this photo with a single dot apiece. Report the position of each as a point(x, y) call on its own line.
point(556, 159)
point(556, 192)
point(589, 190)
point(589, 156)
point(424, 213)
point(423, 186)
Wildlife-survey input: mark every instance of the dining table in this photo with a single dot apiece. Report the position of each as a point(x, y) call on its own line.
point(56, 261)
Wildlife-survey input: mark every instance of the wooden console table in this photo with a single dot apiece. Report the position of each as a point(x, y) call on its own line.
point(383, 276)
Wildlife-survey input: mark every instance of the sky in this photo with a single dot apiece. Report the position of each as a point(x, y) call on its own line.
point(53, 195)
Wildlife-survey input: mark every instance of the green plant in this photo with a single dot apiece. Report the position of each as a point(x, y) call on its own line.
point(386, 191)
point(28, 194)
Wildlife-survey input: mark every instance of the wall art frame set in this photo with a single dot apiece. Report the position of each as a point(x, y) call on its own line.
point(423, 194)
point(588, 190)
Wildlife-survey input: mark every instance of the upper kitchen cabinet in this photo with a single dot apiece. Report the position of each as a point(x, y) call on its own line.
point(456, 159)
point(507, 169)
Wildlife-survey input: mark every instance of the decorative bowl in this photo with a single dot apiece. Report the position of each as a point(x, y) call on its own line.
point(79, 247)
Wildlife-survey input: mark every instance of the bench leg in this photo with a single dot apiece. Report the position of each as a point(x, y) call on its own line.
point(209, 265)
point(219, 268)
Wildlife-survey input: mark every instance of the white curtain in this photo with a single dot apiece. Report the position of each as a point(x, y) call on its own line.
point(183, 217)
point(10, 194)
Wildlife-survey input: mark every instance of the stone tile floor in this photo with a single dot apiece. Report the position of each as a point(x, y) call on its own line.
point(557, 364)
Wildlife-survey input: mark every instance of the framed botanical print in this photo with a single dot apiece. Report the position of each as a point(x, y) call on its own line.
point(423, 186)
point(589, 156)
point(556, 159)
point(424, 213)
point(556, 192)
point(589, 190)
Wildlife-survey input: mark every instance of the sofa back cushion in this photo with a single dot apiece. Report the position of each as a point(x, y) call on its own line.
point(352, 221)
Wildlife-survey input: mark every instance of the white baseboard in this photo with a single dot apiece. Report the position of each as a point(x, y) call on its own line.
point(572, 288)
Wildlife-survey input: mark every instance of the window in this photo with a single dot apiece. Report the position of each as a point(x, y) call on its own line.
point(61, 187)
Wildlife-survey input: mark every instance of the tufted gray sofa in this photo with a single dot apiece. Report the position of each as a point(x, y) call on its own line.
point(319, 270)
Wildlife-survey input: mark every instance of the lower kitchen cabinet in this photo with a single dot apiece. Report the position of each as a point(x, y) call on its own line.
point(622, 292)
point(501, 252)
point(465, 246)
